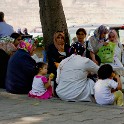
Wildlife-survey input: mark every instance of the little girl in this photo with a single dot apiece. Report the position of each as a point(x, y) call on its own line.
point(41, 87)
point(108, 91)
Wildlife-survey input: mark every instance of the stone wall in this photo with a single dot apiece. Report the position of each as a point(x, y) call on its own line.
point(25, 13)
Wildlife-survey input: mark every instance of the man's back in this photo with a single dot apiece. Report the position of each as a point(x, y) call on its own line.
point(5, 29)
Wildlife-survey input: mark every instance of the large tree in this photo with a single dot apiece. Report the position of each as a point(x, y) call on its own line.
point(52, 19)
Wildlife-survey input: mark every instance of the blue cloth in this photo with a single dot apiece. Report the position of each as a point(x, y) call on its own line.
point(5, 29)
point(44, 56)
point(20, 72)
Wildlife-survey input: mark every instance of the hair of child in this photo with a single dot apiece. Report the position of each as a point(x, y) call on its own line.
point(39, 65)
point(105, 71)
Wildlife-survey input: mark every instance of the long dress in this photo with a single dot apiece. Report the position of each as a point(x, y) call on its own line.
point(73, 84)
point(53, 55)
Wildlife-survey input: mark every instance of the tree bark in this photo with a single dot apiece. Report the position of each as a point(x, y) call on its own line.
point(52, 19)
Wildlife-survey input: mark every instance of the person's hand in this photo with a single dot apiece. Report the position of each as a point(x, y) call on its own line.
point(61, 48)
point(56, 64)
point(105, 43)
point(95, 62)
point(51, 76)
point(116, 76)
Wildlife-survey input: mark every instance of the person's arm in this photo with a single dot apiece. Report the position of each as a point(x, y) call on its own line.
point(58, 74)
point(48, 84)
point(116, 76)
point(96, 44)
point(91, 66)
point(93, 57)
point(52, 54)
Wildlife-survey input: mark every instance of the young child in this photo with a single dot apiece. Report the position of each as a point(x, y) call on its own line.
point(41, 87)
point(108, 91)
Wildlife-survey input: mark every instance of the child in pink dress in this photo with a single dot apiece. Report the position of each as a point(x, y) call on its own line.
point(41, 87)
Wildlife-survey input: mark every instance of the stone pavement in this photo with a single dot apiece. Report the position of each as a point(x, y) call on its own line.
point(19, 109)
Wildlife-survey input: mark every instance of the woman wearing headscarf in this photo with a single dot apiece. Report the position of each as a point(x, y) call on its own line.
point(8, 46)
point(21, 69)
point(99, 38)
point(73, 84)
point(118, 52)
point(113, 37)
point(56, 53)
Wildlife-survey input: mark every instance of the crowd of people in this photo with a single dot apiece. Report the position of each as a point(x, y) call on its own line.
point(77, 71)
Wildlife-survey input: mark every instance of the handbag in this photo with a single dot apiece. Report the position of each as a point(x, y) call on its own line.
point(106, 53)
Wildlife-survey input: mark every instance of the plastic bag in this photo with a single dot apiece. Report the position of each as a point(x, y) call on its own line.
point(106, 53)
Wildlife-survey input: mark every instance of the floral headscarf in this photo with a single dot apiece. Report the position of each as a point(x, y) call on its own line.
point(26, 44)
point(99, 31)
point(6, 44)
point(115, 35)
point(95, 40)
point(59, 46)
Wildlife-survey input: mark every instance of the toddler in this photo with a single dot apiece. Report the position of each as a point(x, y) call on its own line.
point(41, 87)
point(108, 91)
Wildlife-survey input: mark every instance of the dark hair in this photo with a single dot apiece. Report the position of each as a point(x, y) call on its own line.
point(39, 65)
point(15, 35)
point(81, 30)
point(1, 16)
point(105, 71)
point(59, 31)
point(77, 48)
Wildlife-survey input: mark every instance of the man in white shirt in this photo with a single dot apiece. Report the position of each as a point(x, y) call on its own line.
point(5, 29)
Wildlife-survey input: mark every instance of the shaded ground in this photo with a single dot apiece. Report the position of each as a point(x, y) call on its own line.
point(19, 109)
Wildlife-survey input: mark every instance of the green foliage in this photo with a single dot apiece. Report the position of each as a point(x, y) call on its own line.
point(40, 41)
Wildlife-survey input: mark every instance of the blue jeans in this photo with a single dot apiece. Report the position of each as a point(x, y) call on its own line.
point(44, 56)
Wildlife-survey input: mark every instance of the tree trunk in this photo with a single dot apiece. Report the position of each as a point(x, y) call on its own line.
point(52, 19)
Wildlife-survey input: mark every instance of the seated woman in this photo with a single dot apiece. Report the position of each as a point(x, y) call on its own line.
point(73, 84)
point(111, 53)
point(21, 69)
point(14, 46)
point(99, 38)
point(4, 57)
point(56, 53)
point(113, 37)
point(8, 46)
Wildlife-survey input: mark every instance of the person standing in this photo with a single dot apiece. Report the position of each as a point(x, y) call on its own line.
point(5, 29)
